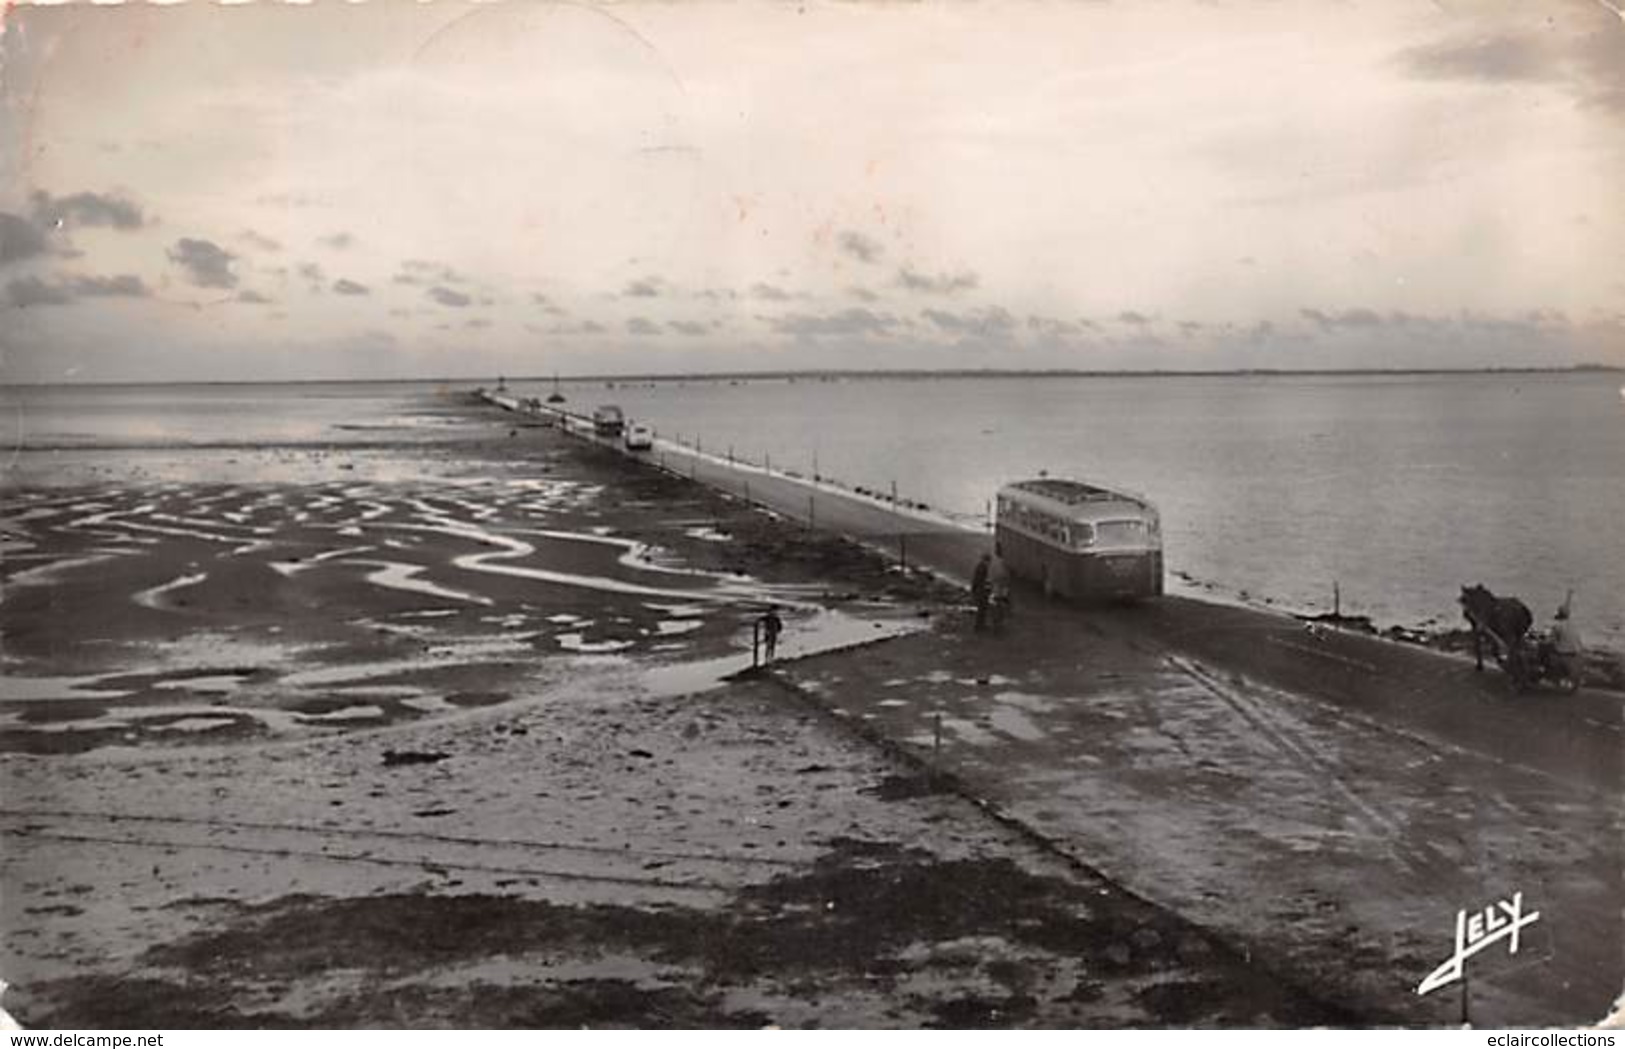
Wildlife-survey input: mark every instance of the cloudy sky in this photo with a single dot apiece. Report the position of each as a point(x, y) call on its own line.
point(393, 189)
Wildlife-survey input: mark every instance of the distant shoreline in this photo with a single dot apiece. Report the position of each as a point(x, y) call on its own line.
point(825, 375)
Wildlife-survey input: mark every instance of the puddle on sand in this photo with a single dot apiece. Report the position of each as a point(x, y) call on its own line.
point(153, 597)
point(827, 629)
point(1026, 701)
point(969, 732)
point(451, 653)
point(677, 611)
point(199, 724)
point(198, 651)
point(218, 684)
point(355, 713)
point(578, 643)
point(1014, 723)
point(13, 689)
point(396, 575)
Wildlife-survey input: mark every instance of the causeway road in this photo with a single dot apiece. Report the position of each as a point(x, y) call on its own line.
point(1326, 800)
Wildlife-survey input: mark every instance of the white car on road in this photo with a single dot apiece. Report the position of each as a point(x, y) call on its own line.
point(639, 438)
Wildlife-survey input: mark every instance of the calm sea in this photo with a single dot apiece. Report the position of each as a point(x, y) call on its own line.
point(212, 414)
point(1397, 488)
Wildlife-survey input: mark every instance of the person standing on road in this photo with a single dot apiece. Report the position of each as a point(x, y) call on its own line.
point(772, 627)
point(998, 583)
point(979, 590)
point(1566, 643)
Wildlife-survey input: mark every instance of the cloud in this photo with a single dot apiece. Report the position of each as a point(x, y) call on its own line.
point(993, 322)
point(1053, 327)
point(312, 272)
point(206, 263)
point(346, 286)
point(1582, 53)
point(426, 271)
point(448, 297)
point(477, 322)
point(689, 327)
point(647, 288)
point(642, 326)
point(20, 239)
point(862, 294)
point(845, 323)
point(125, 285)
point(258, 240)
point(936, 284)
point(337, 241)
point(249, 295)
point(33, 291)
point(860, 247)
point(584, 328)
point(1502, 57)
point(769, 293)
point(290, 200)
point(87, 209)
point(1135, 318)
point(1360, 317)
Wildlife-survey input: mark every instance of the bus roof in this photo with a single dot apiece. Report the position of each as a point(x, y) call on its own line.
point(1075, 497)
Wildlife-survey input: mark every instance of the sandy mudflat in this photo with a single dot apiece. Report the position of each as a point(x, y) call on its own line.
point(434, 735)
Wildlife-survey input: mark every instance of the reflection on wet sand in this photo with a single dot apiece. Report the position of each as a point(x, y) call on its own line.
point(222, 612)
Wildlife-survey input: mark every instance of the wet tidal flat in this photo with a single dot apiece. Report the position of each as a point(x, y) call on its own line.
point(448, 744)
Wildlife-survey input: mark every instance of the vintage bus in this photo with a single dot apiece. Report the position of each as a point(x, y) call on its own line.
point(1078, 540)
point(608, 420)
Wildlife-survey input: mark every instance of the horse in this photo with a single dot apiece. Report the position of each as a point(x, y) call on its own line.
point(1505, 619)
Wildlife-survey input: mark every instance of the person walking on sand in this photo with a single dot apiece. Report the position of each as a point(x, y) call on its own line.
point(772, 627)
point(998, 583)
point(979, 590)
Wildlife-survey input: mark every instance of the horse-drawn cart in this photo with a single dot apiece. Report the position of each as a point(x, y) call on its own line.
point(1503, 625)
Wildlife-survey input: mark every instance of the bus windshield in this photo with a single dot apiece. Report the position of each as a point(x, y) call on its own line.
point(1120, 533)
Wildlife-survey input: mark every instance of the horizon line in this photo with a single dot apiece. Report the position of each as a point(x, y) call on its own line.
point(862, 373)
